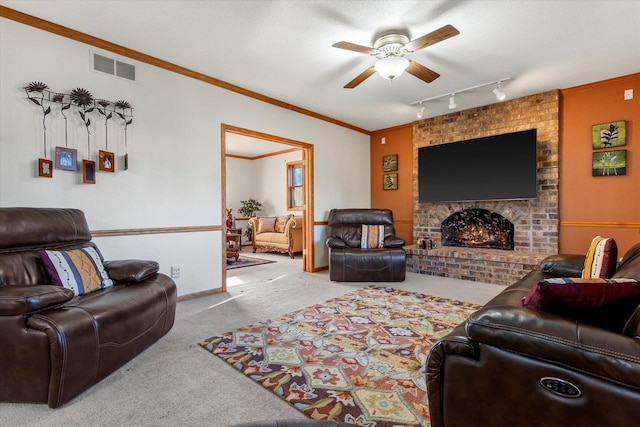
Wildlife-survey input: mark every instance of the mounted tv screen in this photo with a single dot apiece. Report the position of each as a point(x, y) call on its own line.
point(500, 167)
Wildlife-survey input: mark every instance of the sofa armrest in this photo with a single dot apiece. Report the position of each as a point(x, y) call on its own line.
point(25, 299)
point(290, 225)
point(394, 242)
point(456, 343)
point(131, 271)
point(563, 265)
point(557, 340)
point(336, 243)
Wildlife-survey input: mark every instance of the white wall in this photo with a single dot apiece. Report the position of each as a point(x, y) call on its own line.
point(174, 178)
point(263, 179)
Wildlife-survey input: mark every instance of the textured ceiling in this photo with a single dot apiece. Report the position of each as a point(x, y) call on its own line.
point(282, 48)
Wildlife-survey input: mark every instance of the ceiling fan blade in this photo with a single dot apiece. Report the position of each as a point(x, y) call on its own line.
point(432, 38)
point(355, 48)
point(361, 77)
point(422, 72)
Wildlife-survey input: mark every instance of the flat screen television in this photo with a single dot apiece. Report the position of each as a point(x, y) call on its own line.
point(500, 167)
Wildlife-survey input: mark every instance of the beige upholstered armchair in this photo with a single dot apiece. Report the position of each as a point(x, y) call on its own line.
point(277, 233)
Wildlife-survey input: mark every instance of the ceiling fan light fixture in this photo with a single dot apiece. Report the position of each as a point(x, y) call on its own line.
point(452, 102)
point(391, 67)
point(421, 111)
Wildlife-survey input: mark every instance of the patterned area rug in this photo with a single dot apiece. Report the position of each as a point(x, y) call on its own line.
point(245, 261)
point(359, 358)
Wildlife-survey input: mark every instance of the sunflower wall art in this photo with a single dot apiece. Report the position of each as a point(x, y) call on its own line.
point(92, 112)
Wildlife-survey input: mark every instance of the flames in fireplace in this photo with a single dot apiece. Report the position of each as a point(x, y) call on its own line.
point(477, 228)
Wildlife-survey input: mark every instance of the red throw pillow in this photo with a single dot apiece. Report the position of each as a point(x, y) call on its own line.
point(606, 303)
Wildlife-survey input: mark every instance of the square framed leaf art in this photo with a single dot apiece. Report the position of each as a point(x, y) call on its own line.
point(608, 135)
point(390, 181)
point(609, 163)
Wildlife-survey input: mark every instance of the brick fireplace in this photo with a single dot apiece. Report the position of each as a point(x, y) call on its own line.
point(535, 222)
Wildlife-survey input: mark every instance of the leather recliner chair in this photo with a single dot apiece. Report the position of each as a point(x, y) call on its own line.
point(349, 262)
point(54, 345)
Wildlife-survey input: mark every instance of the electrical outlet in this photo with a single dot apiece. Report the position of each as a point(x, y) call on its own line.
point(175, 271)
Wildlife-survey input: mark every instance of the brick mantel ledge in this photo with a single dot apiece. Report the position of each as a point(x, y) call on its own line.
point(479, 265)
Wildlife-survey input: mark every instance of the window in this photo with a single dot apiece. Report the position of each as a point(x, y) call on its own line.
point(295, 186)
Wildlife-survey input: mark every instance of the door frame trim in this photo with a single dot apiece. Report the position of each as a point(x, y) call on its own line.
point(307, 212)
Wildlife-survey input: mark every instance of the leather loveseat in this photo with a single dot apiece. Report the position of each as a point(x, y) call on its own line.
point(53, 344)
point(510, 365)
point(349, 262)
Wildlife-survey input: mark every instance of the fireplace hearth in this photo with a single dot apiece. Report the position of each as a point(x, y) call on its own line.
point(477, 228)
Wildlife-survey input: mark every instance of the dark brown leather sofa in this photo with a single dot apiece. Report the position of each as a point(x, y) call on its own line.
point(490, 370)
point(53, 346)
point(348, 262)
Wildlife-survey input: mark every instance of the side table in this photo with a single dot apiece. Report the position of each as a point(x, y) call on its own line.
point(233, 245)
point(237, 231)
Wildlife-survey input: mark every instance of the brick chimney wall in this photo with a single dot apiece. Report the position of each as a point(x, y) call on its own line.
point(535, 221)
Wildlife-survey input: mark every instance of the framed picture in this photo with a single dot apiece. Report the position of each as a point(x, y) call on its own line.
point(45, 168)
point(608, 135)
point(390, 181)
point(66, 158)
point(88, 172)
point(609, 163)
point(106, 161)
point(390, 163)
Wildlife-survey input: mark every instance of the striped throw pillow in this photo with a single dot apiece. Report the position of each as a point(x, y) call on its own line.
point(601, 259)
point(372, 236)
point(80, 270)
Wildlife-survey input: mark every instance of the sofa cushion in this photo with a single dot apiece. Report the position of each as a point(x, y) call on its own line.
point(606, 303)
point(273, 237)
point(372, 236)
point(266, 224)
point(281, 222)
point(601, 258)
point(80, 270)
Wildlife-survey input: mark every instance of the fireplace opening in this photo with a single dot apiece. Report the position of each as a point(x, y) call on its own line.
point(477, 228)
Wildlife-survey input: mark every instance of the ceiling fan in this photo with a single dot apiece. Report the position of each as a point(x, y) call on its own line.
point(391, 48)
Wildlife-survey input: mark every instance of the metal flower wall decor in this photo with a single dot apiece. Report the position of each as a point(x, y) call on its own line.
point(85, 103)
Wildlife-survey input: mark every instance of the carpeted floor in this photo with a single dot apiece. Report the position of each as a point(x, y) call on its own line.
point(358, 358)
point(246, 261)
point(176, 383)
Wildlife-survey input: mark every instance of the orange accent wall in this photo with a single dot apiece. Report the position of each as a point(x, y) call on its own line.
point(610, 205)
point(398, 140)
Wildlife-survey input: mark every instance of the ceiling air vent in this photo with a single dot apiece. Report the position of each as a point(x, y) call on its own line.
point(113, 67)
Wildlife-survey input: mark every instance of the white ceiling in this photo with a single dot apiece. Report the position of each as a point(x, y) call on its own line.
point(282, 48)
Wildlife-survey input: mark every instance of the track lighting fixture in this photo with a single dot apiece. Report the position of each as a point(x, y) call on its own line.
point(500, 95)
point(452, 102)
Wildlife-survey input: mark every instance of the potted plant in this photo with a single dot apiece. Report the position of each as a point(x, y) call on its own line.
point(249, 209)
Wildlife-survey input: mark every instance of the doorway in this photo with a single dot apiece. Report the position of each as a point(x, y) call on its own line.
point(307, 208)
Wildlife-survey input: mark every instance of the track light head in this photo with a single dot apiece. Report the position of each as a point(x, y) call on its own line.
point(500, 95)
point(421, 111)
point(452, 102)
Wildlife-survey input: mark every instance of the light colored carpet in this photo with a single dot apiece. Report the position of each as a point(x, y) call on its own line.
point(177, 383)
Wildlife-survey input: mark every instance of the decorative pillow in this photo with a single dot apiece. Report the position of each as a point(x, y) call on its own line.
point(266, 224)
point(606, 303)
point(80, 270)
point(601, 258)
point(372, 236)
point(281, 221)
